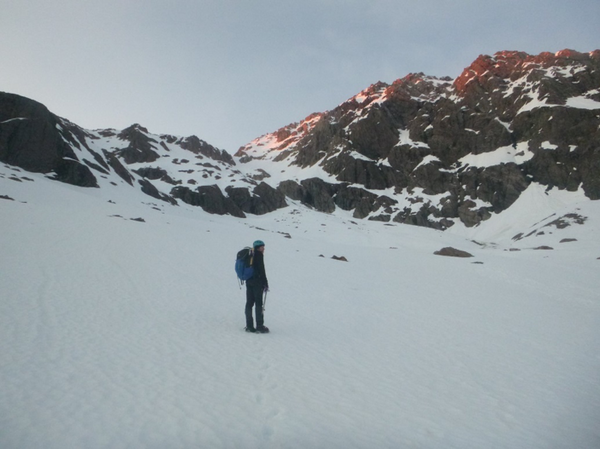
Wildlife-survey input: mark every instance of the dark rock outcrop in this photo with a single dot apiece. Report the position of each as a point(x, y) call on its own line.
point(119, 169)
point(271, 198)
point(149, 189)
point(30, 139)
point(140, 148)
point(198, 146)
point(292, 190)
point(324, 197)
point(156, 173)
point(452, 252)
point(264, 199)
point(318, 194)
point(313, 192)
point(73, 172)
point(209, 198)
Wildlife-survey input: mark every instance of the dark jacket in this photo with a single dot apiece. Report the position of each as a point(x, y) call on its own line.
point(259, 278)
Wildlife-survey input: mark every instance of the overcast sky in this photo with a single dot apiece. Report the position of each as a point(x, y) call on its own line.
point(229, 71)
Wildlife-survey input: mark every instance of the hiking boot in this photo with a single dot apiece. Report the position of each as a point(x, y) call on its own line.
point(250, 329)
point(263, 330)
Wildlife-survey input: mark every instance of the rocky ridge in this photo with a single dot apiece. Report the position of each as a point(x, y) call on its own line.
point(432, 151)
point(423, 150)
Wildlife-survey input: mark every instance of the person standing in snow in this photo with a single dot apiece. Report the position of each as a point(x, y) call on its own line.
point(256, 286)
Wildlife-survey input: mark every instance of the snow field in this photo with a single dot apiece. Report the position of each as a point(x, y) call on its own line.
point(116, 333)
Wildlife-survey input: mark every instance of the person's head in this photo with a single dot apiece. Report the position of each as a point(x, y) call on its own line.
point(259, 245)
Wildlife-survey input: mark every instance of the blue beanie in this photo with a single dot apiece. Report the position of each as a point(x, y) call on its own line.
point(258, 244)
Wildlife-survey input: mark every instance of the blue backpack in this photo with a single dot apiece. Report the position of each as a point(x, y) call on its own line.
point(243, 264)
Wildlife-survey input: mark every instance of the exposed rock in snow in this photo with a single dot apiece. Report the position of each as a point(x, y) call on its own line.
point(426, 151)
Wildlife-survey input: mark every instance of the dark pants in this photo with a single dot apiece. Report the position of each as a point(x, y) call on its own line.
point(254, 296)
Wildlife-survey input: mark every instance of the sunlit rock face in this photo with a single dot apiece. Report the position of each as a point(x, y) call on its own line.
point(445, 150)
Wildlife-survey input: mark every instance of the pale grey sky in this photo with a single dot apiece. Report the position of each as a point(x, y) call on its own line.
point(231, 70)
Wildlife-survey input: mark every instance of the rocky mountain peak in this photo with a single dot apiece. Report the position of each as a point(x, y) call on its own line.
point(136, 128)
point(500, 65)
point(279, 144)
point(140, 146)
point(368, 95)
point(419, 85)
point(423, 150)
point(512, 65)
point(476, 142)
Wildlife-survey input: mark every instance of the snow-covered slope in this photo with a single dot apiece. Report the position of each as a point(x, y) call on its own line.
point(121, 327)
